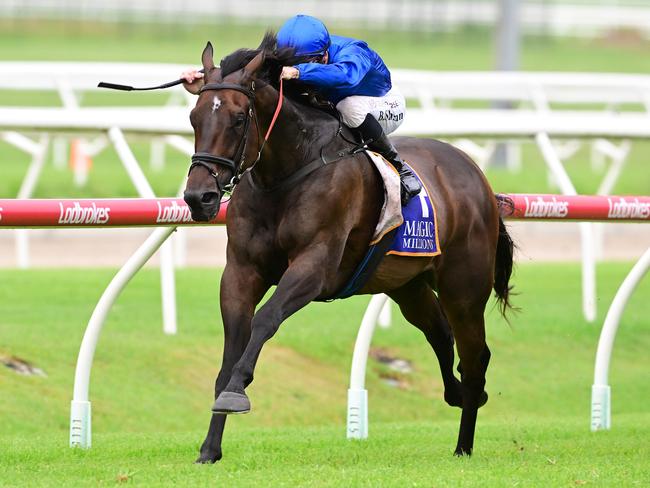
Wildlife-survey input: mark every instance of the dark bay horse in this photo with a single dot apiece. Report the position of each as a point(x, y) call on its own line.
point(307, 233)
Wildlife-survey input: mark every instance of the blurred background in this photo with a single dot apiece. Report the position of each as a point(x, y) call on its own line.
point(577, 36)
point(462, 63)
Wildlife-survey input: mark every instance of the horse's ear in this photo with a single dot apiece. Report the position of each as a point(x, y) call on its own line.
point(255, 64)
point(207, 58)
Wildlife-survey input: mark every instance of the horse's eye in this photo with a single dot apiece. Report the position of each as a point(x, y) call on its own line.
point(239, 121)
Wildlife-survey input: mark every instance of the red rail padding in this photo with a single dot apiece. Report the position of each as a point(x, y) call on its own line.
point(120, 212)
point(576, 207)
point(141, 212)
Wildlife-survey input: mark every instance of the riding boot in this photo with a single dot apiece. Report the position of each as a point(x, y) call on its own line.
point(377, 141)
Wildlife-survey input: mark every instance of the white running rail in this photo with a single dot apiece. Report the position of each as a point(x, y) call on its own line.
point(539, 116)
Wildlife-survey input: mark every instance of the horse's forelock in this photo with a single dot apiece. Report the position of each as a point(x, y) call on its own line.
point(269, 42)
point(237, 60)
point(275, 58)
point(240, 58)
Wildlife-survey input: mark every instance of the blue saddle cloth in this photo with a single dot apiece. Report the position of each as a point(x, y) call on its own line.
point(417, 236)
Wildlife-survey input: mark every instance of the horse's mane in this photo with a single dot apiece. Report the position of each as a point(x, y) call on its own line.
point(274, 60)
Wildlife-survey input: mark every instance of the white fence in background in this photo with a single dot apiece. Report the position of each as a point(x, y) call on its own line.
point(547, 108)
point(134, 212)
point(556, 17)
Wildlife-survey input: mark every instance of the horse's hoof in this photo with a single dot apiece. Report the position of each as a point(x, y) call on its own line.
point(460, 452)
point(208, 458)
point(229, 402)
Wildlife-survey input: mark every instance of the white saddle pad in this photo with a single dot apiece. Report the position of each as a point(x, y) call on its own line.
point(391, 211)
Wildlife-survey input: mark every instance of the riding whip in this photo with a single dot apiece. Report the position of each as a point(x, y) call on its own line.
point(115, 86)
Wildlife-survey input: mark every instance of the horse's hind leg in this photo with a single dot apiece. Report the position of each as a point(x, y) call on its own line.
point(420, 307)
point(465, 283)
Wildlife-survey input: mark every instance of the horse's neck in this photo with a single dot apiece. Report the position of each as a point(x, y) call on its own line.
point(296, 139)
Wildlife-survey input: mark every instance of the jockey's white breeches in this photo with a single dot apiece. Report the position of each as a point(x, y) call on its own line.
point(389, 110)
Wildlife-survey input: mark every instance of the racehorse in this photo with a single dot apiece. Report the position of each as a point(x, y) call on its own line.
point(301, 217)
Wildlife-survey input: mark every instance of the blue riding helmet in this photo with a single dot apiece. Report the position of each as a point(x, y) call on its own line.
point(305, 33)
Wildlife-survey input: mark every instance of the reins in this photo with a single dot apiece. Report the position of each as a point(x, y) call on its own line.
point(275, 115)
point(203, 158)
point(317, 163)
point(206, 160)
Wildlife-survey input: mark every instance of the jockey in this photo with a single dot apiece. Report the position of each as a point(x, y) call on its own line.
point(354, 78)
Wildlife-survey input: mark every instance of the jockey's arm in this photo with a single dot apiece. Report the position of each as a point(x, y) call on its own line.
point(351, 65)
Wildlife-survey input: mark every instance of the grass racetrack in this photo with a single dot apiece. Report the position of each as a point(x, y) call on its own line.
point(151, 393)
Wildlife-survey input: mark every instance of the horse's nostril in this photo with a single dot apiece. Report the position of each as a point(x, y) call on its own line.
point(210, 197)
point(192, 198)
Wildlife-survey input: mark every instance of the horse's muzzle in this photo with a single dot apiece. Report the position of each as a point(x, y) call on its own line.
point(204, 205)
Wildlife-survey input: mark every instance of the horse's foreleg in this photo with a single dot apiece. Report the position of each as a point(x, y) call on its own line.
point(301, 283)
point(420, 307)
point(241, 290)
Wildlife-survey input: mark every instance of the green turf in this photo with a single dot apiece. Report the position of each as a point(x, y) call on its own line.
point(151, 393)
point(466, 49)
point(547, 453)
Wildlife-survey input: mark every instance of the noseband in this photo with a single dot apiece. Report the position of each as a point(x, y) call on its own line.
point(206, 159)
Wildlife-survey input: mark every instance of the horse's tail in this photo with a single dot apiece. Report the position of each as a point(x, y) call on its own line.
point(503, 268)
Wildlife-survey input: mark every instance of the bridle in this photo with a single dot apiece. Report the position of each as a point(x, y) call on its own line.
point(206, 160)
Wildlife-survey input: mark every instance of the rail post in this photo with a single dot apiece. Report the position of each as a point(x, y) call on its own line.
point(80, 411)
point(601, 393)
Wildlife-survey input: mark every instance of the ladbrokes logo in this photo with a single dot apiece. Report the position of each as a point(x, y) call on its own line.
point(622, 209)
point(76, 214)
point(173, 213)
point(544, 208)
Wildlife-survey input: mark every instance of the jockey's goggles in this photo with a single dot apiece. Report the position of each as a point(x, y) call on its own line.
point(316, 54)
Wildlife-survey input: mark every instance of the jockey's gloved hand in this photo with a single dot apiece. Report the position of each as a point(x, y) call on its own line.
point(191, 75)
point(290, 73)
point(193, 80)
